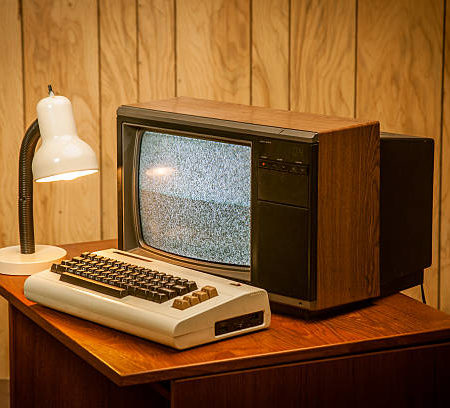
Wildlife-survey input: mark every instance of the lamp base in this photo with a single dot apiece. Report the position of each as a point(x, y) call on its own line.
point(13, 262)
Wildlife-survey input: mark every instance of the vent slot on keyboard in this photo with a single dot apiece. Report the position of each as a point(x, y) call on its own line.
point(239, 323)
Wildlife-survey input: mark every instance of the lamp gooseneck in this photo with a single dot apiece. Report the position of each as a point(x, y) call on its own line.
point(26, 225)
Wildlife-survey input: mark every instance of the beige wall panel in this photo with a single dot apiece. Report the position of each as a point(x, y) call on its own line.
point(270, 53)
point(11, 118)
point(61, 48)
point(11, 133)
point(156, 49)
point(213, 49)
point(118, 85)
point(323, 56)
point(445, 184)
point(399, 81)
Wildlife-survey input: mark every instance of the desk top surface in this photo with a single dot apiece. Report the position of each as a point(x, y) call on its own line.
point(395, 321)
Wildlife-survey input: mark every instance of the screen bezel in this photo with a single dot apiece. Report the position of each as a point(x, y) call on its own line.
point(221, 269)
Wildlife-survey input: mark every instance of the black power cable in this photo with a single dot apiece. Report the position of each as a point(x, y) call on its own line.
point(423, 294)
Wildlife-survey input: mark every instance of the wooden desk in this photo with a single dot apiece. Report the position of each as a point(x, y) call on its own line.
point(395, 352)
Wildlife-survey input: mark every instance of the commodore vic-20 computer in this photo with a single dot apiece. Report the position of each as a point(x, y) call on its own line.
point(217, 200)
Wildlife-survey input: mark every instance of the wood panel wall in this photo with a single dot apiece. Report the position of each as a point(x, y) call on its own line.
point(371, 59)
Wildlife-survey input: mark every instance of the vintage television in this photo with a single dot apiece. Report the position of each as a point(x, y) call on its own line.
point(286, 201)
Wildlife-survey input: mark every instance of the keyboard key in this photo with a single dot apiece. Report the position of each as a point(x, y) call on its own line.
point(160, 297)
point(85, 254)
point(169, 292)
point(70, 264)
point(193, 300)
point(58, 268)
point(191, 285)
point(101, 265)
point(210, 290)
point(202, 296)
point(181, 290)
point(142, 293)
point(133, 289)
point(156, 282)
point(180, 304)
point(93, 285)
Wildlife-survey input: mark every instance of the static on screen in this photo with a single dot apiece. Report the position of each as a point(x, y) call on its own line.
point(194, 197)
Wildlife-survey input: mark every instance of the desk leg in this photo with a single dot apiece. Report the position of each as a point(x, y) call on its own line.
point(44, 373)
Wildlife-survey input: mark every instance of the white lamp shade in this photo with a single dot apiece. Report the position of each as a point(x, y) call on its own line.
point(62, 155)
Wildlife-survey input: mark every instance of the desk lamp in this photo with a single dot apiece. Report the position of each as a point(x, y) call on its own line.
point(62, 156)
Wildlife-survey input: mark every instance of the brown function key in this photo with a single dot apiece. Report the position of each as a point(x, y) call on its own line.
point(202, 296)
point(210, 290)
point(180, 304)
point(193, 300)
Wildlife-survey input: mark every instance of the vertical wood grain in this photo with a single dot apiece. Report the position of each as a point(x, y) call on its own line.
point(323, 56)
point(4, 340)
point(348, 231)
point(11, 118)
point(118, 85)
point(61, 48)
point(445, 182)
point(270, 53)
point(11, 133)
point(156, 51)
point(399, 81)
point(213, 49)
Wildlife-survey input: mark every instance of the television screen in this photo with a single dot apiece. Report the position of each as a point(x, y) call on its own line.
point(194, 197)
